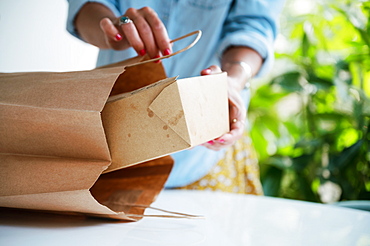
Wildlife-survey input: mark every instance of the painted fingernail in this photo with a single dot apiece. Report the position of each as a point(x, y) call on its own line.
point(159, 61)
point(207, 70)
point(211, 142)
point(166, 52)
point(142, 52)
point(221, 140)
point(118, 37)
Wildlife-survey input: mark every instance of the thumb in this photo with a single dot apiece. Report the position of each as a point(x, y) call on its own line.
point(211, 70)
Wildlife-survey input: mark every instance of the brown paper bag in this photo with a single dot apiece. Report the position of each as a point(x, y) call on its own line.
point(88, 141)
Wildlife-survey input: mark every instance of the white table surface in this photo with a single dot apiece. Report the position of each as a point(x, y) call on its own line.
point(230, 219)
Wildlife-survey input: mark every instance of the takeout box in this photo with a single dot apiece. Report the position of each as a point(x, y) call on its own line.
point(88, 141)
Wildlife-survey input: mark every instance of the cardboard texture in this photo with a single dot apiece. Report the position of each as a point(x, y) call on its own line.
point(96, 142)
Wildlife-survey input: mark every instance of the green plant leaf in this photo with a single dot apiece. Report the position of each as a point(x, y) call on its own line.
point(320, 83)
point(289, 81)
point(271, 181)
point(280, 162)
point(301, 162)
point(340, 161)
point(304, 187)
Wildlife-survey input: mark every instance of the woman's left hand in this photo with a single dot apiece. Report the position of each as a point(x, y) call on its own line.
point(237, 114)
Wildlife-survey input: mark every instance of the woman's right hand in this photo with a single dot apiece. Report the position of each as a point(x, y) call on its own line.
point(146, 33)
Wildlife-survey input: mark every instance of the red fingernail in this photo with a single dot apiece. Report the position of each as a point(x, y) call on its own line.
point(221, 140)
point(142, 52)
point(166, 52)
point(211, 142)
point(118, 37)
point(159, 61)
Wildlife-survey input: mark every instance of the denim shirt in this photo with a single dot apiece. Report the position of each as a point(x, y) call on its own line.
point(224, 23)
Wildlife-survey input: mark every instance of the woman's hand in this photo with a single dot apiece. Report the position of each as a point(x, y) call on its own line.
point(145, 32)
point(237, 114)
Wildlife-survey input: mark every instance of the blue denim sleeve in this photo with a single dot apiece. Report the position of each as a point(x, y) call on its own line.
point(253, 23)
point(75, 6)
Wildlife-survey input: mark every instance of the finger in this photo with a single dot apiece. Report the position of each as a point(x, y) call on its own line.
point(229, 138)
point(110, 30)
point(133, 38)
point(236, 130)
point(211, 70)
point(237, 124)
point(158, 29)
point(233, 135)
point(147, 37)
point(143, 31)
point(236, 111)
point(213, 145)
point(224, 141)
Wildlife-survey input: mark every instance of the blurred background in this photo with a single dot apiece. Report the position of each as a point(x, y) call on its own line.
point(33, 37)
point(310, 117)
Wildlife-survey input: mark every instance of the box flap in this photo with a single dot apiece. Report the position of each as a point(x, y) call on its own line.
point(169, 108)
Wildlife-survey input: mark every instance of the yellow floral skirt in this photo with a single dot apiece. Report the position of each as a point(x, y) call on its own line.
point(236, 172)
